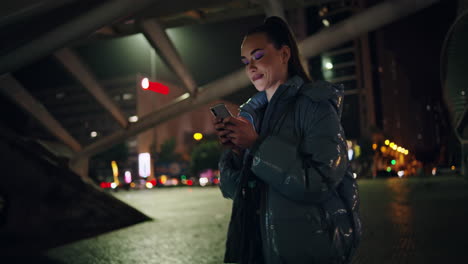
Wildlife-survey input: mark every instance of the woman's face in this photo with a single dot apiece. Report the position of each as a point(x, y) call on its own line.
point(266, 66)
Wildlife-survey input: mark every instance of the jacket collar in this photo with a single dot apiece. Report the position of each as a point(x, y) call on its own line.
point(288, 89)
point(285, 91)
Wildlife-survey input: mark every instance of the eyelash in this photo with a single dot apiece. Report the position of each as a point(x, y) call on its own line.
point(256, 56)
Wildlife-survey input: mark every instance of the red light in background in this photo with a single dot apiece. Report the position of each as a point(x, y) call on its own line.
point(215, 181)
point(189, 182)
point(154, 86)
point(105, 185)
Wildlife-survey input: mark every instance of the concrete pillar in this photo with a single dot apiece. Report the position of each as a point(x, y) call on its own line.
point(15, 91)
point(81, 167)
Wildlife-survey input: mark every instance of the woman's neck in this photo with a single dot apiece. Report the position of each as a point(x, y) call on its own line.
point(270, 91)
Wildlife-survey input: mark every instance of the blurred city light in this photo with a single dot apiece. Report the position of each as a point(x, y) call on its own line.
point(113, 185)
point(198, 136)
point(374, 146)
point(354, 175)
point(401, 173)
point(115, 168)
point(144, 164)
point(145, 83)
point(387, 142)
point(163, 179)
point(393, 162)
point(357, 151)
point(329, 65)
point(203, 181)
point(389, 169)
point(175, 182)
point(392, 144)
point(189, 182)
point(133, 119)
point(149, 185)
point(453, 167)
point(350, 154)
point(434, 171)
point(128, 177)
point(383, 149)
point(93, 134)
point(325, 22)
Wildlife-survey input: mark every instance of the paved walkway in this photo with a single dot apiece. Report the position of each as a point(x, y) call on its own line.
point(414, 221)
point(406, 221)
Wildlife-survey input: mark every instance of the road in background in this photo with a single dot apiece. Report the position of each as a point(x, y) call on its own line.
point(405, 220)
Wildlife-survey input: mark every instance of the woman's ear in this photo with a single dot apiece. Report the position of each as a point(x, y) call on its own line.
point(285, 54)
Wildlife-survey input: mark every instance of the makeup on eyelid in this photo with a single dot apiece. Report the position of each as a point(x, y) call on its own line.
point(257, 55)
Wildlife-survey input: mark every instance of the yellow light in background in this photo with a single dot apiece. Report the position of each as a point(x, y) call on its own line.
point(149, 185)
point(357, 151)
point(198, 136)
point(394, 147)
point(383, 149)
point(163, 179)
point(115, 172)
point(392, 144)
point(115, 169)
point(399, 149)
point(374, 146)
point(387, 142)
point(453, 167)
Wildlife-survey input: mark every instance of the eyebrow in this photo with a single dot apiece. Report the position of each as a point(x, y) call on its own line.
point(253, 51)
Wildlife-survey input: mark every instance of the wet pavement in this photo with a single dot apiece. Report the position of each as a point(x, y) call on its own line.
point(405, 220)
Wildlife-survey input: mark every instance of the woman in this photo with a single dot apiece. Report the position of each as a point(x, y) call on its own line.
point(286, 155)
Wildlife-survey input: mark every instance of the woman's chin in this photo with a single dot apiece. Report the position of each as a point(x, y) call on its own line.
point(259, 87)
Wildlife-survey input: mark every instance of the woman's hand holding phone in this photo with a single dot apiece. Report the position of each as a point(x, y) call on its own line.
point(222, 133)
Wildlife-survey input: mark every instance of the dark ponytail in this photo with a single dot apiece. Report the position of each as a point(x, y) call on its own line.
point(279, 34)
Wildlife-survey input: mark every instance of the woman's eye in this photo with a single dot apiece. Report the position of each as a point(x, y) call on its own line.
point(245, 61)
point(258, 55)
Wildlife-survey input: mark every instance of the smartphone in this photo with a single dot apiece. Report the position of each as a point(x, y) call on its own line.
point(220, 111)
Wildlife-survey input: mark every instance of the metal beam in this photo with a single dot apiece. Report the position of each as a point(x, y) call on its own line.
point(366, 21)
point(15, 91)
point(237, 80)
point(79, 70)
point(85, 24)
point(158, 37)
point(274, 8)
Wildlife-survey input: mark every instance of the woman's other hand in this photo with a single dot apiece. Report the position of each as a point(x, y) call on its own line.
point(240, 131)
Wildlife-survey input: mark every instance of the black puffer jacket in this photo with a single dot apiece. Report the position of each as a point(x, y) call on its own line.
point(290, 178)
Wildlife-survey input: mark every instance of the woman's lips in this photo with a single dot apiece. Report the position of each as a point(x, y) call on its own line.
point(256, 77)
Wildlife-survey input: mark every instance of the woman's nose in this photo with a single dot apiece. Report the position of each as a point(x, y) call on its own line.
point(251, 64)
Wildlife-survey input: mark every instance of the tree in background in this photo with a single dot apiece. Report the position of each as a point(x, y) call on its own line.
point(167, 153)
point(205, 156)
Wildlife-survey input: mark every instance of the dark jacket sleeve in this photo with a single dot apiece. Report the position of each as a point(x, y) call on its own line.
point(230, 166)
point(305, 171)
